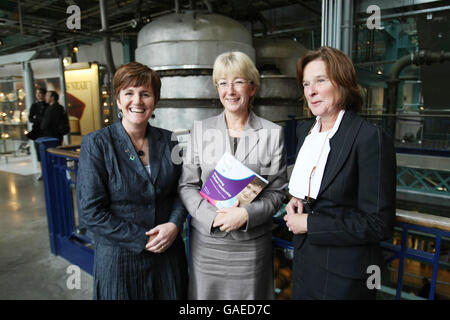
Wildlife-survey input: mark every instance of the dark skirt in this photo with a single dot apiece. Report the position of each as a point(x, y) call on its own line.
point(120, 274)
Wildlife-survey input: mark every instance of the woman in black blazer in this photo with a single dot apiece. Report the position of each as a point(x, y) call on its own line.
point(343, 185)
point(127, 197)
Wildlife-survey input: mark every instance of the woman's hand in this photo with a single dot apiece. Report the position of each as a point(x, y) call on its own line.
point(230, 219)
point(296, 220)
point(295, 205)
point(161, 237)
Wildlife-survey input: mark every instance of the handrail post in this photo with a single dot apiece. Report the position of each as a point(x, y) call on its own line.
point(437, 249)
point(50, 197)
point(401, 263)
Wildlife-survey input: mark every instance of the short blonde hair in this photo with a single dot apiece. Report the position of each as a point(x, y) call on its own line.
point(235, 63)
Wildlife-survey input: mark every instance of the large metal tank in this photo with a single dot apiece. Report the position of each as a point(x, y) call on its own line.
point(279, 95)
point(183, 47)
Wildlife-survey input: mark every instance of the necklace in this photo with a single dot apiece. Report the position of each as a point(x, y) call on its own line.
point(313, 171)
point(141, 152)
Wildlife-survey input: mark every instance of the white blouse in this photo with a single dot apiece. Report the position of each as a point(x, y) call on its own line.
point(147, 167)
point(314, 152)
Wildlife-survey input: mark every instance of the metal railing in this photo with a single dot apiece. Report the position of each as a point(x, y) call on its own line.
point(59, 166)
point(415, 132)
point(406, 221)
point(429, 224)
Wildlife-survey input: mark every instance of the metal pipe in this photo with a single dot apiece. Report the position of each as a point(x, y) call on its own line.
point(106, 38)
point(398, 66)
point(177, 6)
point(330, 23)
point(347, 28)
point(338, 25)
point(324, 17)
point(418, 58)
point(138, 13)
point(20, 16)
point(29, 99)
point(63, 96)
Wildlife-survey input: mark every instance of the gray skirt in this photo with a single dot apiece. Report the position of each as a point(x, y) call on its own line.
point(229, 269)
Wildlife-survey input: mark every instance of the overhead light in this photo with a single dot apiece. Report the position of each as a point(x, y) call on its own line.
point(75, 47)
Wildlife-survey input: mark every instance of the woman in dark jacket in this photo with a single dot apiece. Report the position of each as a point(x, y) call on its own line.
point(343, 185)
point(127, 197)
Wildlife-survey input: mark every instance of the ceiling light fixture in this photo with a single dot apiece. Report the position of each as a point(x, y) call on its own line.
point(75, 47)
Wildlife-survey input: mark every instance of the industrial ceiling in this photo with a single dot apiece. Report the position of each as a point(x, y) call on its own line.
point(42, 25)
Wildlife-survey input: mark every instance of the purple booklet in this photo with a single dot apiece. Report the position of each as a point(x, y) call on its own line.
point(230, 182)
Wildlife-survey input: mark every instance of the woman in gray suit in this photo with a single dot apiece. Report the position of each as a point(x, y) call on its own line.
point(231, 249)
point(127, 197)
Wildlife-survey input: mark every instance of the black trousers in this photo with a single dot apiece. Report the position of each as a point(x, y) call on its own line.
point(313, 282)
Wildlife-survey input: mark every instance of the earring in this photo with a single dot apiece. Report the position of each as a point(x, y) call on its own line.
point(120, 115)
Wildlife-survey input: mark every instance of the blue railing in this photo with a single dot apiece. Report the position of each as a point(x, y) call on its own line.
point(406, 221)
point(439, 227)
point(59, 174)
point(59, 168)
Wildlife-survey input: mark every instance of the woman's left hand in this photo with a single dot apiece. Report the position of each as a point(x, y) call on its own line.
point(230, 219)
point(297, 222)
point(161, 237)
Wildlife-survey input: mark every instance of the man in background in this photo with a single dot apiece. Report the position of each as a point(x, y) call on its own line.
point(35, 116)
point(52, 117)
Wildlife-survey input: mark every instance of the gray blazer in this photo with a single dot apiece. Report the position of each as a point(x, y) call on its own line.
point(261, 148)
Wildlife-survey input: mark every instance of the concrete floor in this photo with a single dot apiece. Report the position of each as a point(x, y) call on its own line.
point(28, 270)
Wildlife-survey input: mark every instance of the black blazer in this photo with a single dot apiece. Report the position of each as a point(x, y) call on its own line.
point(118, 202)
point(355, 206)
point(50, 121)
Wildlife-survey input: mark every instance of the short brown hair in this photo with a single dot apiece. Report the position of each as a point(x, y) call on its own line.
point(135, 74)
point(41, 90)
point(340, 71)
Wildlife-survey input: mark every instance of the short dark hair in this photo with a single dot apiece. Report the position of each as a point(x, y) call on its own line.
point(135, 74)
point(340, 71)
point(41, 90)
point(54, 94)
